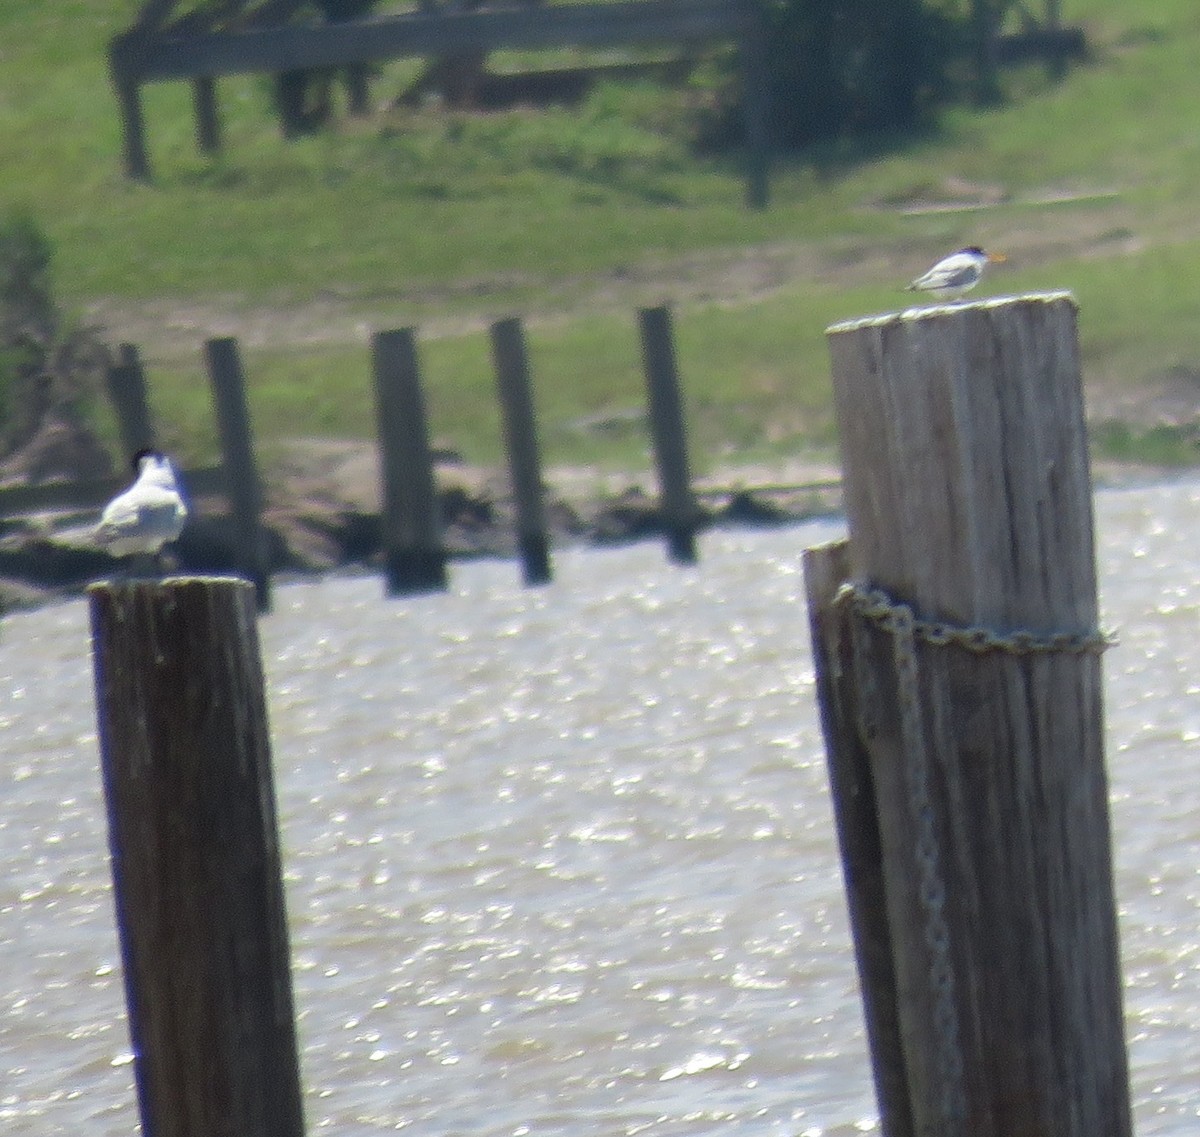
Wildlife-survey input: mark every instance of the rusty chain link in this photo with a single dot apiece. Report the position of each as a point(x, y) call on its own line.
point(906, 629)
point(875, 605)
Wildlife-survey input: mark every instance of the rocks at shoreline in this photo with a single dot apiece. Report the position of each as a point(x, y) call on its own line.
point(316, 532)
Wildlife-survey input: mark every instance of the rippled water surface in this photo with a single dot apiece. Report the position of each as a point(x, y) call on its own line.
point(561, 861)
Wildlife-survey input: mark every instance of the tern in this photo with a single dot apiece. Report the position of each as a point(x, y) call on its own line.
point(955, 274)
point(146, 516)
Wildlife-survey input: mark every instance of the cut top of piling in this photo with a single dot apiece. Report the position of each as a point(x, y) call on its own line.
point(934, 311)
point(965, 466)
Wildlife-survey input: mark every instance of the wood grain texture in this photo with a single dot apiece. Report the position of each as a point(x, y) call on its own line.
point(414, 559)
point(680, 516)
point(965, 467)
point(511, 363)
point(852, 789)
point(246, 495)
point(193, 834)
point(968, 496)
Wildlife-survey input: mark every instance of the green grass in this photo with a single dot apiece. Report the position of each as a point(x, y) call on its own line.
point(574, 218)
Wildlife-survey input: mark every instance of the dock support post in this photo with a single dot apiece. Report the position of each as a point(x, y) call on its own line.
point(679, 510)
point(129, 104)
point(853, 792)
point(414, 557)
point(208, 119)
point(959, 671)
point(756, 99)
point(520, 436)
point(237, 456)
point(193, 834)
point(127, 393)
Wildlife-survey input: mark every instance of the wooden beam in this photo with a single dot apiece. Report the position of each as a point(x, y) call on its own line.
point(266, 50)
point(154, 14)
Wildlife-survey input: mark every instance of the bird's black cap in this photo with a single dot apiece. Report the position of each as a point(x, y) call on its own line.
point(145, 452)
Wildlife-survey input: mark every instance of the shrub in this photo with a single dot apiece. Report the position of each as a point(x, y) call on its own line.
point(846, 68)
point(852, 67)
point(50, 368)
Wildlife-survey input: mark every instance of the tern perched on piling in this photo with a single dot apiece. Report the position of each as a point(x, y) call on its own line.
point(955, 274)
point(148, 515)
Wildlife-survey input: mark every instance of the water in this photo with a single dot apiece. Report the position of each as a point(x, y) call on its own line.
point(560, 861)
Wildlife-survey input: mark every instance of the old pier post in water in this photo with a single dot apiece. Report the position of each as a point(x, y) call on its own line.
point(680, 515)
point(414, 558)
point(237, 456)
point(127, 392)
point(958, 663)
point(520, 436)
point(185, 755)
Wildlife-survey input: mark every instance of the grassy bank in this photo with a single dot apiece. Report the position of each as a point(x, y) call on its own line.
point(573, 218)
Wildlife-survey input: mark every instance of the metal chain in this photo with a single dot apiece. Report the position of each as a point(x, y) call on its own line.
point(877, 606)
point(931, 888)
point(901, 623)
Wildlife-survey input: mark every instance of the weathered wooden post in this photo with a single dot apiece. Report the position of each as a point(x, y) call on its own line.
point(958, 664)
point(186, 761)
point(208, 119)
point(237, 456)
point(133, 128)
point(852, 788)
point(756, 102)
point(520, 436)
point(414, 558)
point(680, 514)
point(127, 392)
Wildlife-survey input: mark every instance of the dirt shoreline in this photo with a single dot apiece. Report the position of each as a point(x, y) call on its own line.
point(322, 516)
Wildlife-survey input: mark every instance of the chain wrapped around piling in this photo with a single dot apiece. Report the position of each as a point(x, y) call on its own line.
point(875, 605)
point(899, 621)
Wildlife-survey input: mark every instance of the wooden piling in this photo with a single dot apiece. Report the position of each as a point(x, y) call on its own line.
point(853, 791)
point(237, 455)
point(133, 124)
point(208, 119)
point(186, 762)
point(127, 393)
point(964, 672)
point(755, 72)
point(679, 511)
point(414, 558)
point(511, 364)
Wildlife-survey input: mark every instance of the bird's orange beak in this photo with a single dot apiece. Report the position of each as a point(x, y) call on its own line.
point(997, 258)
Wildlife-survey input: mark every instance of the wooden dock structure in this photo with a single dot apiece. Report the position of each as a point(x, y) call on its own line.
point(272, 37)
point(411, 523)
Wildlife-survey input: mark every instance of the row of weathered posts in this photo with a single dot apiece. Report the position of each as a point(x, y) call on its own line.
point(414, 552)
point(958, 662)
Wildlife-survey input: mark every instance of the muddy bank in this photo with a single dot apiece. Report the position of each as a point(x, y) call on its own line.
point(322, 517)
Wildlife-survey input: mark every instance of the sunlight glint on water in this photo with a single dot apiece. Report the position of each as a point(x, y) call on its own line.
point(561, 860)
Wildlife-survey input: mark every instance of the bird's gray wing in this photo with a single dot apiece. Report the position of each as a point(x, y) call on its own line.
point(953, 274)
point(959, 276)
